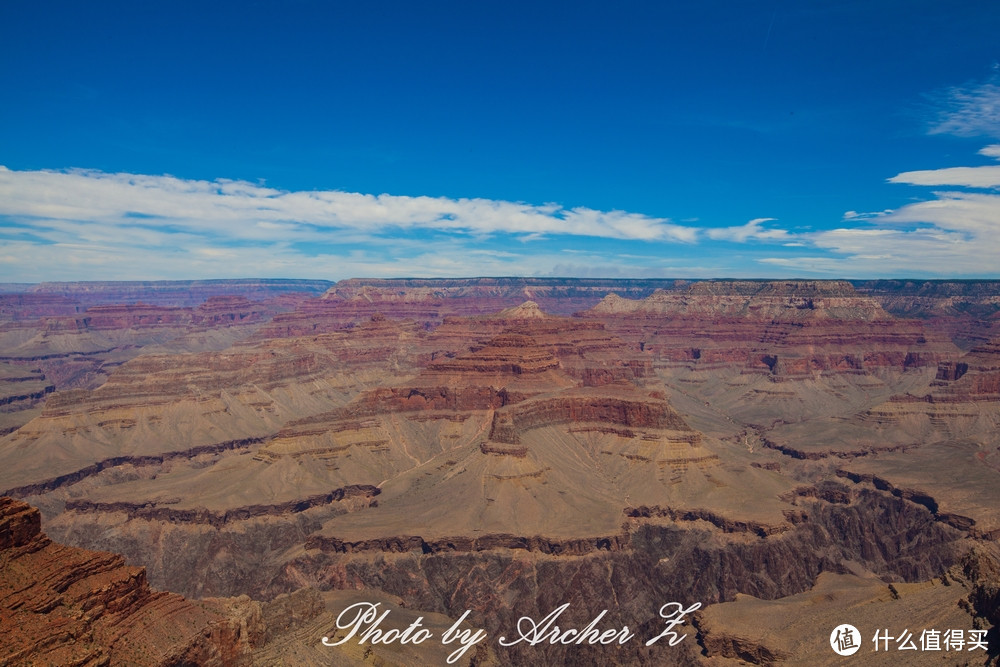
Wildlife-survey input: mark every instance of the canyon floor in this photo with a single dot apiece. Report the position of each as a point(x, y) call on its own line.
point(212, 472)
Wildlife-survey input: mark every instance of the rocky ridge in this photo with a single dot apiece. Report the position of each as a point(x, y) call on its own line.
point(61, 605)
point(70, 606)
point(786, 329)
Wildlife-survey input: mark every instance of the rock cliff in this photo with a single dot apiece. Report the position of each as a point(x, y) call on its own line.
point(785, 329)
point(67, 606)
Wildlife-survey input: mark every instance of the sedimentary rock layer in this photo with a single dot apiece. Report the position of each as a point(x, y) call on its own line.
point(70, 606)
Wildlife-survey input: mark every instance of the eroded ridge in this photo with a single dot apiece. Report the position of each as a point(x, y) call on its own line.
point(68, 606)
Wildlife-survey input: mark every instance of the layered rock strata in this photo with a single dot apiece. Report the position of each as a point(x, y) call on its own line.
point(68, 606)
point(785, 329)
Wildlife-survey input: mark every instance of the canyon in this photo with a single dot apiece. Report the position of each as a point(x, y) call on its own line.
point(788, 454)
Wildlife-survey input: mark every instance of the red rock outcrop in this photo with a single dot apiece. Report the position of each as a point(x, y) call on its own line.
point(67, 606)
point(975, 376)
point(585, 349)
point(959, 390)
point(786, 329)
point(581, 406)
point(508, 354)
point(19, 307)
point(122, 317)
point(963, 310)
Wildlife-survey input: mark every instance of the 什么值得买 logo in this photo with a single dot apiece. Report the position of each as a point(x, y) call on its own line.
point(845, 639)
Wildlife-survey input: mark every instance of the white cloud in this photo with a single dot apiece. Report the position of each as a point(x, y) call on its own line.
point(67, 261)
point(246, 211)
point(991, 151)
point(973, 177)
point(753, 230)
point(80, 224)
point(623, 225)
point(968, 112)
point(956, 233)
point(975, 214)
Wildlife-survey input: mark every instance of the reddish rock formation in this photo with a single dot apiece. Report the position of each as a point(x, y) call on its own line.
point(963, 310)
point(585, 349)
point(19, 307)
point(67, 606)
point(788, 329)
point(959, 390)
point(118, 317)
point(581, 406)
point(508, 354)
point(976, 376)
point(227, 309)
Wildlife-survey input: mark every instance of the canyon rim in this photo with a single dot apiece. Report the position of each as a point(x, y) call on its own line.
point(475, 455)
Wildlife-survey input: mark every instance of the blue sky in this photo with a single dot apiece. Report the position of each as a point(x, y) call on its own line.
point(334, 139)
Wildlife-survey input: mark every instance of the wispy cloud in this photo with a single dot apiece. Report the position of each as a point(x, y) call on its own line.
point(255, 212)
point(954, 233)
point(973, 177)
point(80, 224)
point(854, 215)
point(991, 151)
point(751, 231)
point(969, 111)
